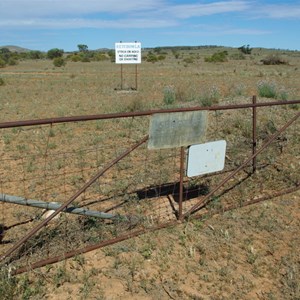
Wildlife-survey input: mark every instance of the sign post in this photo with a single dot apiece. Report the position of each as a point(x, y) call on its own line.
point(128, 53)
point(187, 129)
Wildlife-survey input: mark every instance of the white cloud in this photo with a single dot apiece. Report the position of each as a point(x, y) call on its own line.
point(51, 8)
point(97, 13)
point(196, 10)
point(88, 23)
point(127, 14)
point(283, 11)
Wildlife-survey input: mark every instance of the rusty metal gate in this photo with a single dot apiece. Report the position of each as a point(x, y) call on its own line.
point(91, 181)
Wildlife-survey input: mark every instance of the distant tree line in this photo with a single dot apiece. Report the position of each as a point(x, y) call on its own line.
point(153, 55)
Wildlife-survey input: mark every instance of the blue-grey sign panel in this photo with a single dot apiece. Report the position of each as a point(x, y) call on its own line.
point(173, 130)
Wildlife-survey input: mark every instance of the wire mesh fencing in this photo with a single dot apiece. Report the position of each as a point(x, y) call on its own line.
point(115, 187)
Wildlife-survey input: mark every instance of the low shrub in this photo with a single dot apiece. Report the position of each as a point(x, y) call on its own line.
point(217, 57)
point(237, 56)
point(59, 62)
point(169, 95)
point(274, 59)
point(2, 82)
point(266, 89)
point(189, 60)
point(210, 96)
point(2, 63)
point(151, 57)
point(101, 57)
point(75, 58)
point(12, 62)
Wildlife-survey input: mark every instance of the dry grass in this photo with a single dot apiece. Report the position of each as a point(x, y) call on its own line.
point(250, 253)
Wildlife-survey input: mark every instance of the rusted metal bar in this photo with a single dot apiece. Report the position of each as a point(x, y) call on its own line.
point(73, 253)
point(254, 133)
point(181, 183)
point(263, 198)
point(76, 195)
point(204, 201)
point(139, 114)
point(247, 203)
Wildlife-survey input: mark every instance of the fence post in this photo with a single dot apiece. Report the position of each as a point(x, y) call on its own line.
point(180, 216)
point(254, 128)
point(121, 76)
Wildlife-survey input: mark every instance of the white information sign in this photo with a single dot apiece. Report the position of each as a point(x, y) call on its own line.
point(206, 158)
point(128, 53)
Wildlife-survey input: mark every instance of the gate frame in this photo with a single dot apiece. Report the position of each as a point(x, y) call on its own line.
point(181, 216)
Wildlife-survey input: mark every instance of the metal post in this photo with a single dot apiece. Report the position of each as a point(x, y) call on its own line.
point(136, 77)
point(121, 76)
point(254, 133)
point(180, 217)
point(204, 201)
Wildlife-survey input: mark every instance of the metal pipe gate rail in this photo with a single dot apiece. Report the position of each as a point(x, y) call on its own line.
point(195, 210)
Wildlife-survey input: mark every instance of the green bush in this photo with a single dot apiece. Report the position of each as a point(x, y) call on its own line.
point(101, 57)
point(217, 57)
point(151, 57)
point(2, 82)
point(35, 55)
point(85, 58)
point(12, 62)
point(161, 57)
point(2, 63)
point(237, 56)
point(175, 53)
point(59, 62)
point(75, 58)
point(55, 52)
point(169, 95)
point(189, 60)
point(266, 89)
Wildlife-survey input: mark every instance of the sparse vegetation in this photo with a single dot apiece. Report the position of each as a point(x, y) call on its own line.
point(217, 57)
point(229, 256)
point(59, 62)
point(266, 89)
point(274, 59)
point(169, 95)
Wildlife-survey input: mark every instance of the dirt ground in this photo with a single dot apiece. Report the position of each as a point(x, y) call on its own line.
point(248, 253)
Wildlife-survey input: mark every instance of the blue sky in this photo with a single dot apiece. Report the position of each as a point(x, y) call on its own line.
point(46, 24)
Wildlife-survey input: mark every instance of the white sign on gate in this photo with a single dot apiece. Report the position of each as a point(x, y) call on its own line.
point(128, 53)
point(206, 158)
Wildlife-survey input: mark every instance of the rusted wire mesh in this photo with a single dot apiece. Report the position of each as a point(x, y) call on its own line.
point(51, 163)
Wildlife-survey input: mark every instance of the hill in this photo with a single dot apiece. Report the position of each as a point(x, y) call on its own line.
point(16, 49)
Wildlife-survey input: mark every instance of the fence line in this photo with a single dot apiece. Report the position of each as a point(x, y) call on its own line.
point(141, 113)
point(168, 192)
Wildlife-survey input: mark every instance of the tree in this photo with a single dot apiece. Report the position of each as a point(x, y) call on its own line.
point(55, 52)
point(245, 49)
point(5, 54)
point(82, 48)
point(34, 54)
